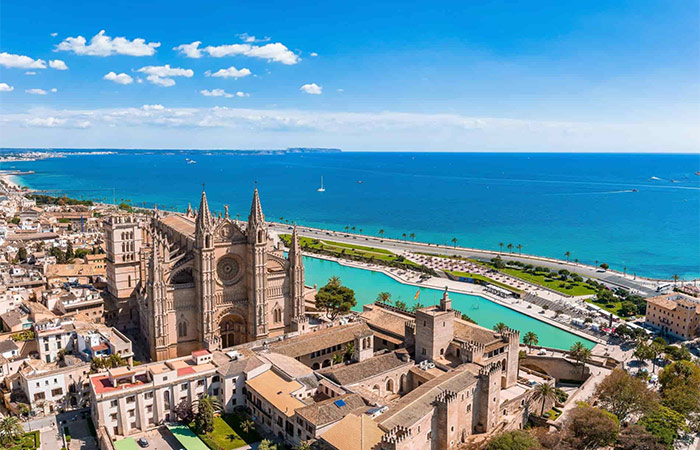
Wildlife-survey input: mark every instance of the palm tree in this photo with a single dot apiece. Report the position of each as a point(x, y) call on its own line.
point(381, 232)
point(404, 236)
point(580, 353)
point(530, 339)
point(349, 350)
point(568, 255)
point(500, 244)
point(208, 400)
point(303, 445)
point(520, 248)
point(544, 392)
point(454, 241)
point(510, 247)
point(675, 280)
point(10, 429)
point(247, 426)
point(337, 358)
point(384, 297)
point(334, 281)
point(500, 327)
point(412, 236)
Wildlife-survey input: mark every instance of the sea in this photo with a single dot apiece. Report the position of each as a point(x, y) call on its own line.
point(636, 212)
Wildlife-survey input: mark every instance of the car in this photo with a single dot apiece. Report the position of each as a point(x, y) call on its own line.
point(143, 442)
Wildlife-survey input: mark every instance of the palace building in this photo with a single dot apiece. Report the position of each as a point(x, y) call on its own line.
point(202, 281)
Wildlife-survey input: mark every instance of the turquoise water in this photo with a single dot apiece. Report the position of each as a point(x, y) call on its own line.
point(585, 204)
point(367, 284)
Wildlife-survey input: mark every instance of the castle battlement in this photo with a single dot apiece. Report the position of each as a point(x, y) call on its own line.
point(446, 397)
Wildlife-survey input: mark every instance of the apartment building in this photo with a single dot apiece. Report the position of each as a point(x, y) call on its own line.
point(675, 314)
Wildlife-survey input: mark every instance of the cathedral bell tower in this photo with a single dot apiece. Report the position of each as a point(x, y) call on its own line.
point(257, 283)
point(204, 268)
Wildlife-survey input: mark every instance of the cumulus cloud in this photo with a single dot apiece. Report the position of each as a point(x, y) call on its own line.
point(242, 94)
point(215, 93)
point(36, 91)
point(312, 88)
point(13, 61)
point(231, 72)
point(190, 50)
point(103, 45)
point(54, 34)
point(162, 75)
point(58, 64)
point(276, 52)
point(4, 87)
point(119, 78)
point(153, 107)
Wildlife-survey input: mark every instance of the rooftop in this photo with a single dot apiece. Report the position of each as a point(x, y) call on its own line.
point(277, 391)
point(353, 373)
point(331, 410)
point(318, 340)
point(354, 432)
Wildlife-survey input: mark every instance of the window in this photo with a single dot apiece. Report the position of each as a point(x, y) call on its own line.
point(113, 403)
point(113, 417)
point(216, 391)
point(423, 352)
point(215, 379)
point(58, 345)
point(39, 396)
point(183, 387)
point(200, 383)
point(132, 413)
point(148, 395)
point(57, 392)
point(182, 329)
point(131, 399)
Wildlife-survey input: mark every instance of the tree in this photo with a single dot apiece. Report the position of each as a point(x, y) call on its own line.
point(510, 247)
point(568, 255)
point(247, 425)
point(412, 236)
point(337, 358)
point(513, 440)
point(10, 429)
point(381, 232)
point(530, 339)
point(664, 423)
point(454, 241)
point(69, 251)
point(545, 393)
point(184, 411)
point(590, 428)
point(417, 306)
point(581, 354)
point(204, 418)
point(22, 254)
point(403, 236)
point(680, 390)
point(303, 445)
point(520, 248)
point(500, 244)
point(349, 350)
point(267, 444)
point(335, 298)
point(467, 318)
point(675, 279)
point(384, 297)
point(635, 437)
point(500, 327)
point(656, 348)
point(604, 266)
point(625, 395)
point(400, 304)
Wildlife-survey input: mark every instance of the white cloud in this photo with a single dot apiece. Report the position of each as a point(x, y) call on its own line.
point(54, 34)
point(341, 90)
point(242, 94)
point(54, 90)
point(162, 75)
point(56, 122)
point(4, 87)
point(36, 91)
point(215, 93)
point(121, 78)
point(103, 45)
point(190, 50)
point(231, 72)
point(276, 52)
point(245, 37)
point(312, 88)
point(13, 61)
point(30, 73)
point(153, 107)
point(314, 54)
point(58, 64)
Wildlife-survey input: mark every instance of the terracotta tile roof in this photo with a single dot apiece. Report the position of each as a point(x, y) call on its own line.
point(354, 373)
point(354, 432)
point(383, 319)
point(331, 410)
point(318, 340)
point(277, 391)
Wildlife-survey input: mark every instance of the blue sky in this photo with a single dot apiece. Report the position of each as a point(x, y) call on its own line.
point(442, 76)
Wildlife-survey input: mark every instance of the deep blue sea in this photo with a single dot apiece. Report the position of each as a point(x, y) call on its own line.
point(548, 203)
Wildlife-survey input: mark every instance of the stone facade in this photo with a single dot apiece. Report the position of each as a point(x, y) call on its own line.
point(211, 282)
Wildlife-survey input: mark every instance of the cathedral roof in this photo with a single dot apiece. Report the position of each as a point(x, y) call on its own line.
point(318, 340)
point(256, 213)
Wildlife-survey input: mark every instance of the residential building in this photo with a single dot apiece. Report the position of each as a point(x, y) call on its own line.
point(675, 314)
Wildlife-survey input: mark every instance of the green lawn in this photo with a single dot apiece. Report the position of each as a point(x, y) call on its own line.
point(540, 278)
point(477, 276)
point(553, 414)
point(228, 434)
point(341, 249)
point(29, 441)
point(609, 307)
point(126, 444)
point(187, 438)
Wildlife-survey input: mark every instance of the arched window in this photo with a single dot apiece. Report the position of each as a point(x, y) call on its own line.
point(260, 236)
point(129, 280)
point(182, 329)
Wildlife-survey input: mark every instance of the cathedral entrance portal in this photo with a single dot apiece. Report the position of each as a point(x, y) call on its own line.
point(233, 330)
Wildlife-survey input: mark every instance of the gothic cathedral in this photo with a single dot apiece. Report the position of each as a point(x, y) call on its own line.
point(212, 282)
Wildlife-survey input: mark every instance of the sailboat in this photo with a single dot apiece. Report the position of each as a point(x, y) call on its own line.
point(321, 189)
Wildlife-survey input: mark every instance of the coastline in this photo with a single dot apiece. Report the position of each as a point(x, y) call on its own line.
point(438, 283)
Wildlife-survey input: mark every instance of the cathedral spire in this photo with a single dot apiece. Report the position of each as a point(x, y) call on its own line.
point(294, 249)
point(204, 220)
point(256, 216)
point(189, 212)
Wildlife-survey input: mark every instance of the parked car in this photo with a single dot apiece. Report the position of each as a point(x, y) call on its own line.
point(143, 442)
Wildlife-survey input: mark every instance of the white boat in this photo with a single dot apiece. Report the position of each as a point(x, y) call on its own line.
point(321, 189)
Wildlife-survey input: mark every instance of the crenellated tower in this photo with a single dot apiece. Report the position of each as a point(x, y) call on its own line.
point(257, 279)
point(204, 270)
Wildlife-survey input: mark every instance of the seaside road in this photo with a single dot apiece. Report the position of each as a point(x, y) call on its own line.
point(645, 287)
